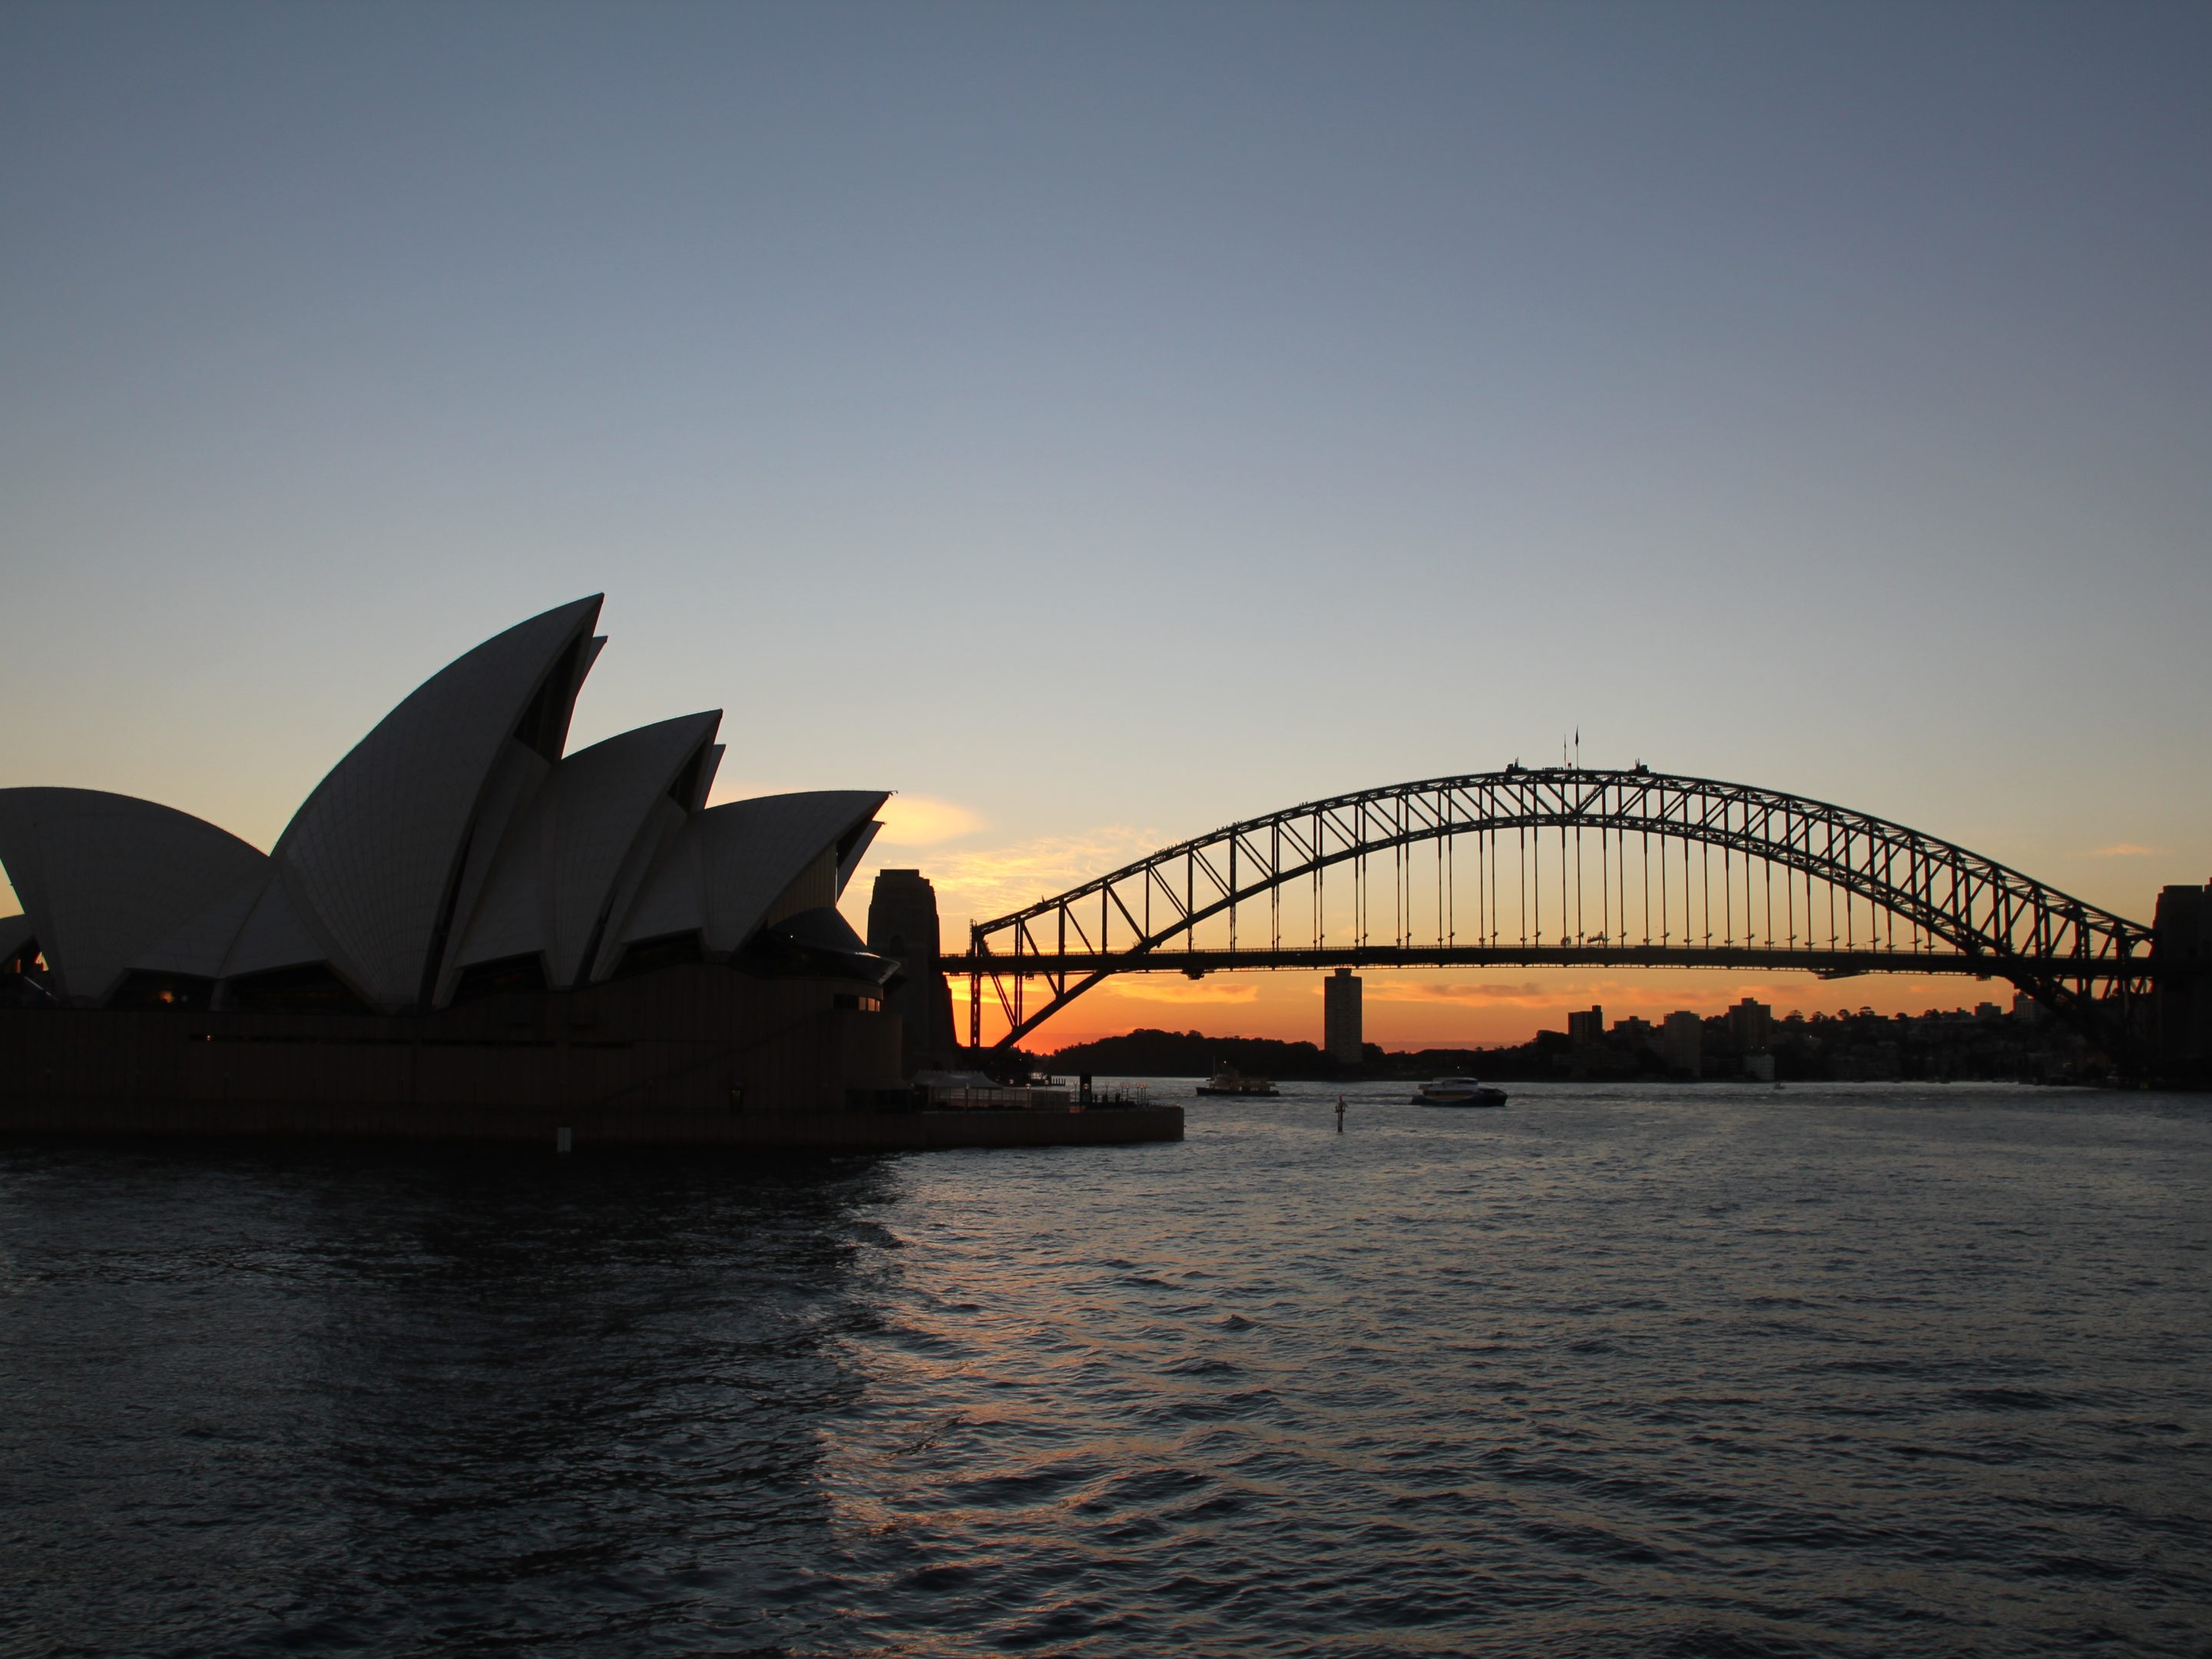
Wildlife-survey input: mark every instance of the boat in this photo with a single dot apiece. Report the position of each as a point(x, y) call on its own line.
point(1459, 1091)
point(1231, 1081)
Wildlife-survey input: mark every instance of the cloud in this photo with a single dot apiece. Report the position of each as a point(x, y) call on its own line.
point(907, 820)
point(989, 882)
point(1138, 988)
point(2124, 849)
point(1163, 987)
point(924, 821)
point(1529, 994)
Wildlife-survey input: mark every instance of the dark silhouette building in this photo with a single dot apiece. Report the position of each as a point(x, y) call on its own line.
point(1343, 1033)
point(2182, 933)
point(1751, 1026)
point(902, 925)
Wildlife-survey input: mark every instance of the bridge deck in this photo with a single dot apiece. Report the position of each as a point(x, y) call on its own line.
point(1828, 964)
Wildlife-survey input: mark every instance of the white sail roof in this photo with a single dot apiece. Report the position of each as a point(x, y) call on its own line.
point(103, 877)
point(376, 855)
point(202, 944)
point(753, 851)
point(272, 936)
point(516, 777)
point(455, 834)
point(725, 875)
point(668, 902)
point(600, 811)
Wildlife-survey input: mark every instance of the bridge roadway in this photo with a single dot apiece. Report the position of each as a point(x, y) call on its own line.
point(1827, 964)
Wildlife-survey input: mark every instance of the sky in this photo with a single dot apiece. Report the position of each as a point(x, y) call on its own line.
point(1099, 423)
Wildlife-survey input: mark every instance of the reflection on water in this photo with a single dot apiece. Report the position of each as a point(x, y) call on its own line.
point(1839, 1370)
point(415, 1404)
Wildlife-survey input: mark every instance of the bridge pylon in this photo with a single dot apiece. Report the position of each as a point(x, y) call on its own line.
point(2181, 946)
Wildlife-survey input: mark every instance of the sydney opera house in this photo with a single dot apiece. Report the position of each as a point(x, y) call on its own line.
point(467, 929)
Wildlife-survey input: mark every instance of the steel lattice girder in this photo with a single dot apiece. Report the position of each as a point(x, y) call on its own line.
point(2005, 922)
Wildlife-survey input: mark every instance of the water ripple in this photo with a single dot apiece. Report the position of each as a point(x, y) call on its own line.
point(1853, 1371)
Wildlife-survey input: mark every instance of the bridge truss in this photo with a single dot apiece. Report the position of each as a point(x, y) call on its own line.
point(1565, 866)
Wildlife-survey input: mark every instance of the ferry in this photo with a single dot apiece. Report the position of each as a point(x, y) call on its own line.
point(1231, 1081)
point(1459, 1091)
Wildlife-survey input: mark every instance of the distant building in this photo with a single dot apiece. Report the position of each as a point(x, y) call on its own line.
point(1682, 1043)
point(1751, 1026)
point(1342, 1033)
point(1586, 1027)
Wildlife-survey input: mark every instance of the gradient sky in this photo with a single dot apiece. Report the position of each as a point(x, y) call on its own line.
point(1102, 423)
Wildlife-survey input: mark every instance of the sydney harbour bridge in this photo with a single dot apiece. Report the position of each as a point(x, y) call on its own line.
point(1568, 867)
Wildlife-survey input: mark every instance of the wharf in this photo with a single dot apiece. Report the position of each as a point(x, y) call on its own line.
point(587, 1126)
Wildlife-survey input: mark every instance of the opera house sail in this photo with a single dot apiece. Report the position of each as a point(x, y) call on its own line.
point(464, 921)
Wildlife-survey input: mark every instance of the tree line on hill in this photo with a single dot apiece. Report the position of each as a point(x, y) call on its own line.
point(1987, 1043)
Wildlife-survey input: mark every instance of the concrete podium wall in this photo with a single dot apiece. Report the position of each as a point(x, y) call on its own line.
point(687, 1037)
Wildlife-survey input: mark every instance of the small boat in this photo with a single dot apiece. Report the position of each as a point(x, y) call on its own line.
point(1459, 1091)
point(1231, 1081)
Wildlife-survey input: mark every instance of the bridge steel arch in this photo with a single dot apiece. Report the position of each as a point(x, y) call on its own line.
point(1959, 911)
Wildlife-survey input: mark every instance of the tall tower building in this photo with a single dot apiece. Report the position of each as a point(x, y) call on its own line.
point(1752, 1024)
point(1342, 1035)
point(1682, 1043)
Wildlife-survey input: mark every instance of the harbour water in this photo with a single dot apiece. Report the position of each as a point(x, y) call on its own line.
point(1835, 1369)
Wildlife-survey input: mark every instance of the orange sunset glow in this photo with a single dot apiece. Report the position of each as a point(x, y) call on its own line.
point(1429, 1011)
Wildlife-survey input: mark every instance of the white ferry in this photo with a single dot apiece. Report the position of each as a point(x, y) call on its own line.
point(1231, 1081)
point(1459, 1091)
